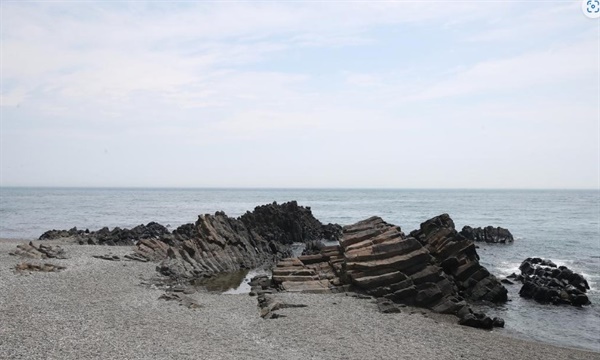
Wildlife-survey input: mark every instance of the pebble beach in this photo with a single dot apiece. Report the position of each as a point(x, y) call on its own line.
point(98, 309)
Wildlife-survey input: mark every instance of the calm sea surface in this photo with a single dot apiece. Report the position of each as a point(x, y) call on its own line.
point(555, 224)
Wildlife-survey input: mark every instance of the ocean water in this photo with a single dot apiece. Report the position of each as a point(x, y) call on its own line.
point(561, 225)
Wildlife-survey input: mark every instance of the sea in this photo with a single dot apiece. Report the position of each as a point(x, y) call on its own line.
point(561, 225)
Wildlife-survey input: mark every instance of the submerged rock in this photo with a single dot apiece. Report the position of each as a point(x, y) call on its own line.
point(489, 234)
point(547, 283)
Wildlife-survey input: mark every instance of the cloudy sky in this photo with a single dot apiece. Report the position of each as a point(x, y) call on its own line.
point(300, 94)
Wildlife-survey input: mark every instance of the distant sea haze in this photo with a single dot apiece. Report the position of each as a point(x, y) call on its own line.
point(561, 225)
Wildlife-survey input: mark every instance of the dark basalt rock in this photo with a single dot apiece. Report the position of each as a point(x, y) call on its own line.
point(489, 234)
point(105, 236)
point(288, 223)
point(459, 260)
point(546, 283)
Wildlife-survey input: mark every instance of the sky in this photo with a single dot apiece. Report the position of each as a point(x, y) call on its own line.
point(324, 94)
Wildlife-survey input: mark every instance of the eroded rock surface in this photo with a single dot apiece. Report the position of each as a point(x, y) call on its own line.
point(105, 236)
point(435, 268)
point(218, 243)
point(547, 283)
point(488, 234)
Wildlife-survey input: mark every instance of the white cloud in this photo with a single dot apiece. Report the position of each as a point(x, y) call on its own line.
point(554, 66)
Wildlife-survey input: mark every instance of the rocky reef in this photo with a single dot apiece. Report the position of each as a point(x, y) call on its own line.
point(218, 243)
point(547, 283)
point(435, 268)
point(105, 236)
point(488, 234)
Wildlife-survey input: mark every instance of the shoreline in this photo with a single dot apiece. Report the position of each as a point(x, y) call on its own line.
point(98, 309)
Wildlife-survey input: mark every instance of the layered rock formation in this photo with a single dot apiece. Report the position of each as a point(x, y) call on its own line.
point(458, 258)
point(435, 268)
point(489, 234)
point(546, 283)
point(218, 243)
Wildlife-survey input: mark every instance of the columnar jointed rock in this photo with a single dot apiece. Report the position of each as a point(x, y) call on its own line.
point(317, 273)
point(488, 234)
point(459, 260)
point(218, 243)
point(382, 261)
point(377, 258)
point(544, 282)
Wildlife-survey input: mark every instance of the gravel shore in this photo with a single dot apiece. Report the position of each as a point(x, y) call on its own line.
point(97, 309)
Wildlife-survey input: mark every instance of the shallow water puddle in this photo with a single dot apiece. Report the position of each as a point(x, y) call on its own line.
point(231, 283)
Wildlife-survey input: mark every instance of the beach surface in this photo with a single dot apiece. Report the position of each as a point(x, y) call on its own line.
point(99, 309)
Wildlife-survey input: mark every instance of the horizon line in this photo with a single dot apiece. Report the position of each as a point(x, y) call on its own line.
point(275, 188)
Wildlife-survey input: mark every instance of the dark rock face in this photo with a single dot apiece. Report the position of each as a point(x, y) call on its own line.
point(458, 258)
point(218, 243)
point(434, 268)
point(546, 283)
point(489, 234)
point(105, 236)
point(288, 223)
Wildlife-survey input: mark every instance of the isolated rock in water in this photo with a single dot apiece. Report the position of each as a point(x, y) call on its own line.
point(546, 283)
point(488, 234)
point(39, 252)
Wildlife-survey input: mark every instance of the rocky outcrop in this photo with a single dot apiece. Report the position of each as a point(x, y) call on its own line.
point(546, 283)
point(434, 268)
point(39, 252)
point(288, 223)
point(458, 258)
point(218, 243)
point(105, 236)
point(489, 234)
point(317, 273)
